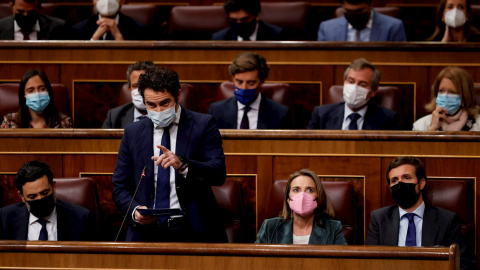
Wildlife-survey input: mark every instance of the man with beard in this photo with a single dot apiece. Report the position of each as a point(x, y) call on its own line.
point(411, 222)
point(245, 23)
point(27, 23)
point(361, 23)
point(40, 216)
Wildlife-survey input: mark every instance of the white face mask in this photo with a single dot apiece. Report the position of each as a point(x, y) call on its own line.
point(137, 100)
point(354, 95)
point(163, 118)
point(455, 18)
point(108, 7)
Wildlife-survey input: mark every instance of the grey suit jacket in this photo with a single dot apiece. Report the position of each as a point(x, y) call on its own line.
point(440, 228)
point(120, 116)
point(276, 231)
point(51, 28)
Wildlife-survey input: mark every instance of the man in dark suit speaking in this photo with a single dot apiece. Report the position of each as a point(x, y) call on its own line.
point(249, 109)
point(361, 81)
point(184, 156)
point(41, 216)
point(411, 222)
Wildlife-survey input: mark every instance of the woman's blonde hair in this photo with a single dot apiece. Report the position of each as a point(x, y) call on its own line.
point(324, 207)
point(463, 82)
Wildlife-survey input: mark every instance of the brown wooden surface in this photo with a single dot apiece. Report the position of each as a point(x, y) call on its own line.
point(311, 67)
point(95, 255)
point(260, 157)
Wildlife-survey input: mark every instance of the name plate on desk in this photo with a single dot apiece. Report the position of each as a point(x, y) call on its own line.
point(161, 212)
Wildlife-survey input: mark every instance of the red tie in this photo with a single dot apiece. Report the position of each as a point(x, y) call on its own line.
point(26, 36)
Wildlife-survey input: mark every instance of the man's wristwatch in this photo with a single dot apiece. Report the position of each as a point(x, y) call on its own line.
point(184, 165)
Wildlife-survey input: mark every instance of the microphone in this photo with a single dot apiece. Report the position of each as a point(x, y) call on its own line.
point(144, 171)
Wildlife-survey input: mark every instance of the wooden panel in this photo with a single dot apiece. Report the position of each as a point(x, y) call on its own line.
point(85, 255)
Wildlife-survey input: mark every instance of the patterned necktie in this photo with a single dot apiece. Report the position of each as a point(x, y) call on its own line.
point(411, 239)
point(43, 236)
point(245, 124)
point(162, 195)
point(353, 121)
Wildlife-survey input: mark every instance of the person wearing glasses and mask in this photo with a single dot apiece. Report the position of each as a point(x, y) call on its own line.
point(27, 23)
point(245, 23)
point(361, 23)
point(454, 22)
point(307, 215)
point(453, 105)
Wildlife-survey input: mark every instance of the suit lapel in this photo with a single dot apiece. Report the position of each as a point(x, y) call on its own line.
point(63, 228)
point(129, 116)
point(336, 119)
point(8, 33)
point(341, 30)
point(145, 137)
point(231, 114)
point(184, 133)
point(263, 115)
point(430, 227)
point(20, 223)
point(376, 27)
point(43, 26)
point(391, 228)
point(285, 233)
point(318, 235)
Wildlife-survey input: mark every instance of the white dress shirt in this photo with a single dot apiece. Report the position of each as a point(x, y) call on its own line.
point(417, 219)
point(34, 227)
point(364, 34)
point(252, 114)
point(18, 35)
point(346, 120)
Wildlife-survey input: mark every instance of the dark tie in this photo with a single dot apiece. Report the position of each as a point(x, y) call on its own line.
point(43, 232)
point(411, 239)
point(245, 124)
point(353, 121)
point(26, 36)
point(162, 196)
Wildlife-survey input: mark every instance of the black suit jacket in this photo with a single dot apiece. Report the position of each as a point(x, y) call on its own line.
point(271, 115)
point(199, 141)
point(440, 228)
point(130, 29)
point(50, 28)
point(74, 223)
point(330, 116)
point(265, 32)
point(120, 116)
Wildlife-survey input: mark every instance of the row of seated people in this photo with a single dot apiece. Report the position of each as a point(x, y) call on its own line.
point(248, 103)
point(237, 20)
point(301, 210)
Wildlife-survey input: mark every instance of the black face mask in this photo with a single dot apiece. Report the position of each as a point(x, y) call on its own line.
point(358, 20)
point(245, 30)
point(404, 194)
point(43, 207)
point(26, 23)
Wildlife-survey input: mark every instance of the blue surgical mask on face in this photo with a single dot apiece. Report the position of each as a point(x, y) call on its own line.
point(245, 96)
point(38, 101)
point(163, 118)
point(450, 102)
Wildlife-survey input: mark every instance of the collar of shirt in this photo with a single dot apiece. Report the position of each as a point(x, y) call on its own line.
point(255, 105)
point(369, 23)
point(253, 36)
point(52, 218)
point(175, 121)
point(348, 111)
point(419, 211)
point(17, 29)
point(117, 18)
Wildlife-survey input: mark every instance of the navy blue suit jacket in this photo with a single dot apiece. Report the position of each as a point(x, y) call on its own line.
point(271, 115)
point(440, 227)
point(51, 28)
point(74, 223)
point(120, 117)
point(199, 141)
point(384, 28)
point(330, 116)
point(265, 32)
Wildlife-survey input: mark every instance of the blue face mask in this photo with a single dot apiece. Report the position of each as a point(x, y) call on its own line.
point(38, 101)
point(450, 102)
point(245, 96)
point(163, 118)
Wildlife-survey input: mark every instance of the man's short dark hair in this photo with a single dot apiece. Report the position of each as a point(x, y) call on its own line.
point(415, 162)
point(250, 61)
point(159, 79)
point(39, 2)
point(252, 7)
point(32, 171)
point(140, 65)
point(355, 2)
point(362, 63)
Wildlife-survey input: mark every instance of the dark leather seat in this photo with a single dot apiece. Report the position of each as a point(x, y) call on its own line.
point(390, 97)
point(341, 196)
point(230, 201)
point(188, 96)
point(278, 92)
point(9, 98)
point(196, 22)
point(291, 16)
point(389, 11)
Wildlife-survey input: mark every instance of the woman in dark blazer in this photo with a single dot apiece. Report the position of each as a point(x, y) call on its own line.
point(306, 217)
